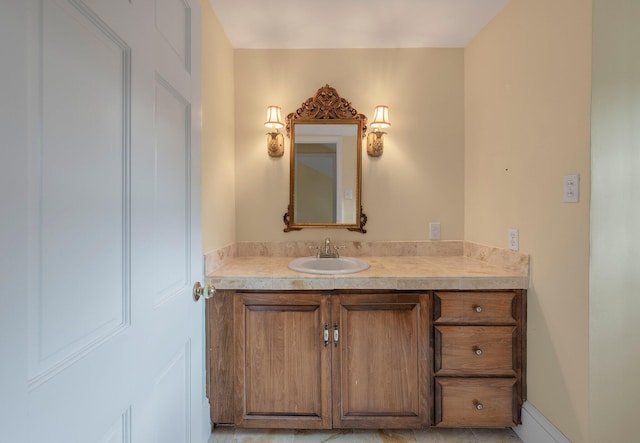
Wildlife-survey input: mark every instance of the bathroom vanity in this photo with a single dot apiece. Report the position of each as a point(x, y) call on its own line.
point(413, 341)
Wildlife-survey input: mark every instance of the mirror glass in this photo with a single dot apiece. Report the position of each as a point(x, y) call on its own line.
point(326, 155)
point(325, 171)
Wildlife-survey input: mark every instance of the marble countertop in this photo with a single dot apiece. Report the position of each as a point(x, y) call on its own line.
point(385, 272)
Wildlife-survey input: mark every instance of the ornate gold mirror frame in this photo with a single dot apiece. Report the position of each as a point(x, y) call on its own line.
point(326, 108)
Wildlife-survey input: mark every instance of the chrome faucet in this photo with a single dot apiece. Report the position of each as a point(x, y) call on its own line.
point(328, 250)
point(327, 246)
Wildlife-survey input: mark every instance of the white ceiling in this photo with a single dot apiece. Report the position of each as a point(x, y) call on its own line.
point(297, 24)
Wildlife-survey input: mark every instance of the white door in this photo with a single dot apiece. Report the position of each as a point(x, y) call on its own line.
point(103, 223)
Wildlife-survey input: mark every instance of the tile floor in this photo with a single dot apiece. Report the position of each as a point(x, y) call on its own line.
point(431, 435)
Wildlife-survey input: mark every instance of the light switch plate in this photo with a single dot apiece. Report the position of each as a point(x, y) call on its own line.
point(434, 231)
point(514, 239)
point(572, 188)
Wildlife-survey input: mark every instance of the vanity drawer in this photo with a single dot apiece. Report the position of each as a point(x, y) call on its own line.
point(478, 402)
point(475, 307)
point(474, 350)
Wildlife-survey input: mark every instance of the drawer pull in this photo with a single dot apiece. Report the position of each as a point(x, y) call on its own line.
point(477, 308)
point(326, 335)
point(478, 405)
point(477, 351)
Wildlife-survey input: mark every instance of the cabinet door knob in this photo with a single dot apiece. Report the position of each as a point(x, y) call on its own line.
point(477, 350)
point(478, 405)
point(477, 308)
point(336, 334)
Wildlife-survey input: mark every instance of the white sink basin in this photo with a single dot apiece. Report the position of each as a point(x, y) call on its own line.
point(341, 265)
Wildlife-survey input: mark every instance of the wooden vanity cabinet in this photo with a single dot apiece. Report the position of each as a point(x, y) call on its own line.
point(479, 358)
point(355, 359)
point(331, 361)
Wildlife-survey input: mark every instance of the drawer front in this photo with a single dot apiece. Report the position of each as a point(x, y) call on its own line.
point(476, 402)
point(474, 350)
point(475, 307)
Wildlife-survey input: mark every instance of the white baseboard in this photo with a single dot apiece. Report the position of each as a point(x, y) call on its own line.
point(535, 427)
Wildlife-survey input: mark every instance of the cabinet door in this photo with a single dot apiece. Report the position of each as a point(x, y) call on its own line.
point(282, 363)
point(380, 370)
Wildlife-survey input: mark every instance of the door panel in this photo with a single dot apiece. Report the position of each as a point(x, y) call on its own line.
point(79, 194)
point(114, 339)
point(172, 211)
point(173, 22)
point(172, 398)
point(120, 431)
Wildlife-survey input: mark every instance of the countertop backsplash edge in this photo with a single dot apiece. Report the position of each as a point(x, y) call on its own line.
point(498, 257)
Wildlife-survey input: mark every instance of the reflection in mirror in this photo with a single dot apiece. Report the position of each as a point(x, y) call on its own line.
point(325, 176)
point(325, 173)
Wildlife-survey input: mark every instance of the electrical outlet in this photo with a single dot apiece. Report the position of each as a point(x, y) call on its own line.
point(514, 239)
point(572, 188)
point(434, 231)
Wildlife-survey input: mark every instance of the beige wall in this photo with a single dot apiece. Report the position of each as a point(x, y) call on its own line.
point(218, 174)
point(527, 106)
point(615, 223)
point(418, 179)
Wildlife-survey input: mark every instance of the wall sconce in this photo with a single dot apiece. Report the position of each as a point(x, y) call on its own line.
point(275, 140)
point(375, 141)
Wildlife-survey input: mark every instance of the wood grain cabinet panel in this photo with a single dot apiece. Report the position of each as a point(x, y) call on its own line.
point(475, 307)
point(474, 350)
point(380, 366)
point(487, 402)
point(220, 358)
point(282, 365)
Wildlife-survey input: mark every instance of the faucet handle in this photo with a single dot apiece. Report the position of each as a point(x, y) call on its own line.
point(336, 249)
